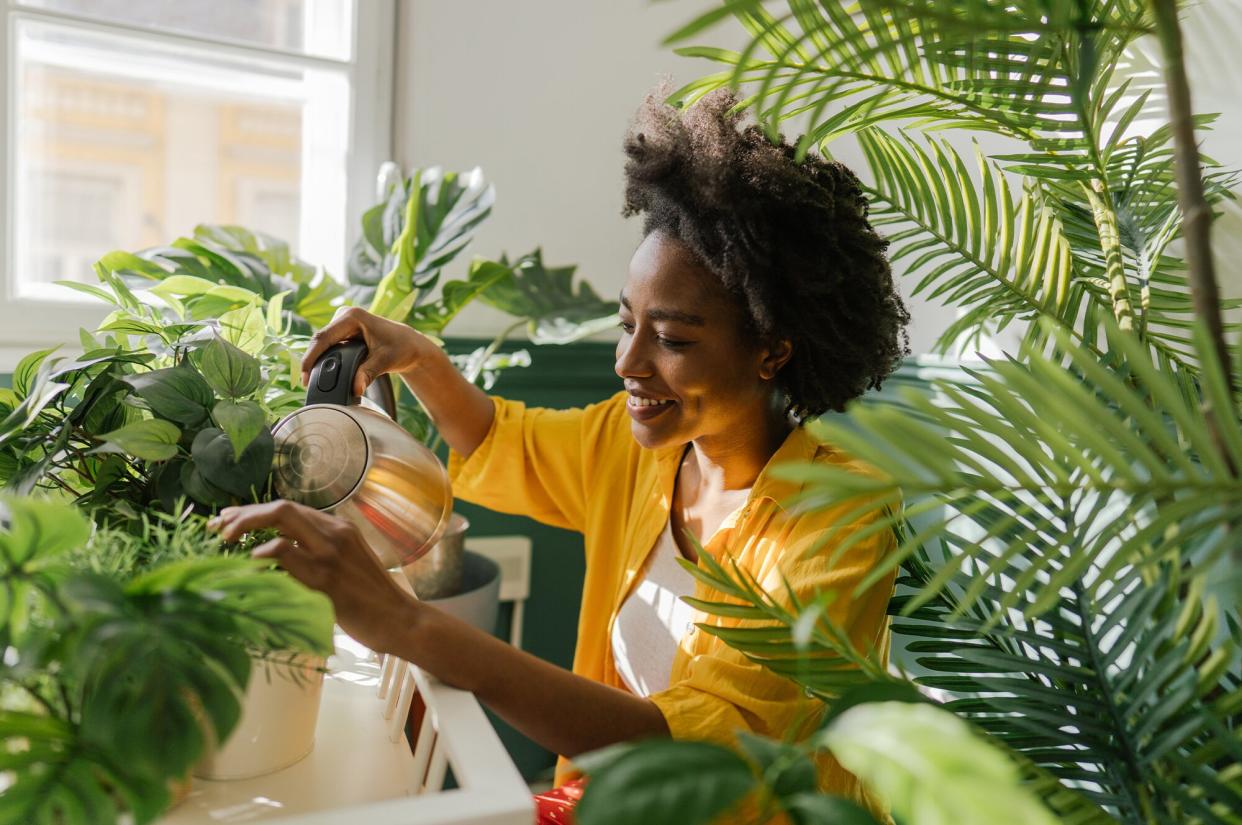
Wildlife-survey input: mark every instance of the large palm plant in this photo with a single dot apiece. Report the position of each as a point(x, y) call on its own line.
point(1068, 511)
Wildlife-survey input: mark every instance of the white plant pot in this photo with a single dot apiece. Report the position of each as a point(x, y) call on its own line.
point(277, 724)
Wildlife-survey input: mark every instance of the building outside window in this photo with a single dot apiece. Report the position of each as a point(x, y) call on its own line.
point(129, 122)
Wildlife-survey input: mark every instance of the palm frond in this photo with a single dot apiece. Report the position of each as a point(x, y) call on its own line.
point(1036, 457)
point(790, 638)
point(998, 255)
point(1115, 685)
point(1014, 68)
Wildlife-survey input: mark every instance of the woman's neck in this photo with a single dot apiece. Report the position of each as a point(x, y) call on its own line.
point(733, 459)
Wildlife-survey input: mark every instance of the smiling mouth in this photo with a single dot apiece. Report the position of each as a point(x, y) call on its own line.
point(638, 403)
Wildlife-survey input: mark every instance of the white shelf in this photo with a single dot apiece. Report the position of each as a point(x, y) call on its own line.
point(358, 773)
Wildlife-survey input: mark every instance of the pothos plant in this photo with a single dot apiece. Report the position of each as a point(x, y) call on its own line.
point(125, 655)
point(177, 390)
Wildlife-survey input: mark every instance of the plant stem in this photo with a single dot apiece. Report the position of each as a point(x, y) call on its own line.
point(1105, 217)
point(473, 375)
point(1196, 218)
point(1196, 214)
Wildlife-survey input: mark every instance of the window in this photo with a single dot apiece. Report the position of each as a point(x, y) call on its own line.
point(128, 122)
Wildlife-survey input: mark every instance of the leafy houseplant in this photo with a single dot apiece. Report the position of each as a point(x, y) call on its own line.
point(420, 224)
point(1069, 512)
point(125, 655)
point(178, 388)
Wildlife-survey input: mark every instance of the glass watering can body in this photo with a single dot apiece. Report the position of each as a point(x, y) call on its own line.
point(344, 456)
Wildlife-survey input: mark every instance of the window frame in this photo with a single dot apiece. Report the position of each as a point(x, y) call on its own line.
point(28, 323)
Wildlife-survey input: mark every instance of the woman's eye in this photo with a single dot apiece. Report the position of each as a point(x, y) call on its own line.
point(671, 344)
point(627, 326)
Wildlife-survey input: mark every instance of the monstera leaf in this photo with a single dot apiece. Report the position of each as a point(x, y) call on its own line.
point(56, 779)
point(432, 318)
point(224, 268)
point(555, 312)
point(421, 226)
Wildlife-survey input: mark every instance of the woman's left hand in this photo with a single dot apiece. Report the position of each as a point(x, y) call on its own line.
point(327, 553)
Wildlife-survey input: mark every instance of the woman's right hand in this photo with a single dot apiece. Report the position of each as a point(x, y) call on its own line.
point(391, 347)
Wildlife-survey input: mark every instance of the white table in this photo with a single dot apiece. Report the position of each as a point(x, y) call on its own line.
point(362, 768)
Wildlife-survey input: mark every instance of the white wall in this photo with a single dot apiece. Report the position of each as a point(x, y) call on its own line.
point(539, 92)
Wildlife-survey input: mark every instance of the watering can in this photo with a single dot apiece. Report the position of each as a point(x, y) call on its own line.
point(347, 455)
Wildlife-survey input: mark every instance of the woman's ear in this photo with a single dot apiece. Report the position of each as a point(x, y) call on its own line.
point(775, 356)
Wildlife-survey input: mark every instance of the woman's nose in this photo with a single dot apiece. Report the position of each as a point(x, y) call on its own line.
point(630, 359)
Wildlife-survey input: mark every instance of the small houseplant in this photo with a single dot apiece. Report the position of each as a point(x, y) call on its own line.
point(126, 656)
point(177, 390)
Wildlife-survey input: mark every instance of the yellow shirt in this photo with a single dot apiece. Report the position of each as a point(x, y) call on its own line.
point(581, 469)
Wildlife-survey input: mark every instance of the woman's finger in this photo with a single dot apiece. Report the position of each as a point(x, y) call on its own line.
point(298, 522)
point(347, 324)
point(290, 557)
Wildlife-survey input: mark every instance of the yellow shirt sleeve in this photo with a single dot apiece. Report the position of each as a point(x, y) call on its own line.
point(531, 463)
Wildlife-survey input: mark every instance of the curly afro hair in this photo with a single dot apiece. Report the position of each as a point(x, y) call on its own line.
point(790, 240)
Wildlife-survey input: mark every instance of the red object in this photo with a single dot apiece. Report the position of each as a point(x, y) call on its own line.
point(556, 807)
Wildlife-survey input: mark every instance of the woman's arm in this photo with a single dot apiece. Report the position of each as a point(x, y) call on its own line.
point(461, 411)
point(563, 712)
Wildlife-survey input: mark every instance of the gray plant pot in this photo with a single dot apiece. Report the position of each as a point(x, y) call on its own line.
point(479, 600)
point(439, 572)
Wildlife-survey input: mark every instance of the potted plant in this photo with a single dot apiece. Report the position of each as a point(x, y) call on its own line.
point(127, 654)
point(1066, 587)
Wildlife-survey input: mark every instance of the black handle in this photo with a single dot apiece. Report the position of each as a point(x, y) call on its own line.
point(332, 379)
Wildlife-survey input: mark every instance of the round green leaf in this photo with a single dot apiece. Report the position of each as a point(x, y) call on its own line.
point(242, 421)
point(177, 393)
point(245, 476)
point(229, 371)
point(665, 781)
point(931, 767)
point(815, 809)
point(245, 327)
point(152, 439)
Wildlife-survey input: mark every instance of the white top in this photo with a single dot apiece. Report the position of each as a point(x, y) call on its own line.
point(652, 620)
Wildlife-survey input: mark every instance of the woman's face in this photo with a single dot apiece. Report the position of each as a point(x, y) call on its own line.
point(690, 369)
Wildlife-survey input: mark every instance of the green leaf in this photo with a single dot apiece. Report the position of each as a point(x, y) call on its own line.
point(90, 289)
point(785, 769)
point(176, 393)
point(245, 328)
point(196, 486)
point(432, 318)
point(242, 421)
point(931, 767)
point(230, 371)
point(53, 779)
point(26, 370)
point(555, 312)
point(665, 781)
point(161, 662)
point(428, 220)
point(39, 529)
point(872, 692)
point(245, 477)
point(131, 326)
point(817, 809)
point(273, 610)
point(152, 439)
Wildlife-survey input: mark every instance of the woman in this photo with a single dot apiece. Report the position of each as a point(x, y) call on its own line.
point(759, 297)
